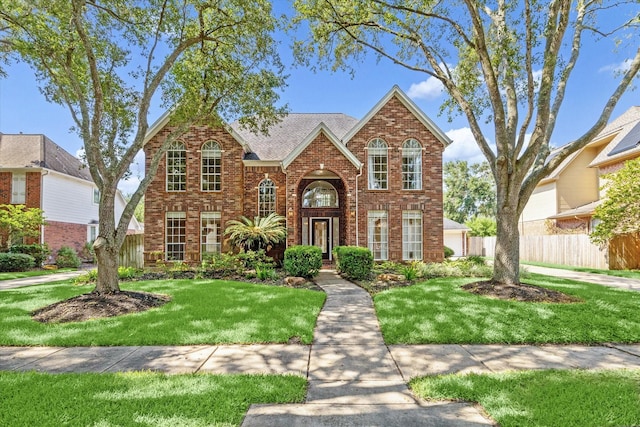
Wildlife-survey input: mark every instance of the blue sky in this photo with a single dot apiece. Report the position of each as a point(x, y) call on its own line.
point(24, 109)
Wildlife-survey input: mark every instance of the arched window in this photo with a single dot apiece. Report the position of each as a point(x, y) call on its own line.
point(378, 165)
point(266, 197)
point(320, 194)
point(211, 171)
point(176, 167)
point(411, 165)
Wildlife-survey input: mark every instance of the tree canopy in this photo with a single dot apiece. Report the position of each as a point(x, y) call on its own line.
point(619, 212)
point(108, 61)
point(504, 63)
point(469, 191)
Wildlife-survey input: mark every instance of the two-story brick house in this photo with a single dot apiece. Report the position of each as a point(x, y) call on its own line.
point(374, 182)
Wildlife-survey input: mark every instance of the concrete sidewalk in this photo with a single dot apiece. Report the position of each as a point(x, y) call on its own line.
point(38, 280)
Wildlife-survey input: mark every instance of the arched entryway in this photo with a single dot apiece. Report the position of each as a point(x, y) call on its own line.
point(322, 206)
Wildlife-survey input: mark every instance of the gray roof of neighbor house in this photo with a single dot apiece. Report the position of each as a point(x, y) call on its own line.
point(449, 224)
point(627, 140)
point(286, 135)
point(37, 151)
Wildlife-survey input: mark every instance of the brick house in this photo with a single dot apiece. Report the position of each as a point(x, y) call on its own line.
point(38, 173)
point(374, 182)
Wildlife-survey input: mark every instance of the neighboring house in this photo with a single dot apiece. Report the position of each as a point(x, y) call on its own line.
point(374, 182)
point(565, 200)
point(37, 173)
point(455, 237)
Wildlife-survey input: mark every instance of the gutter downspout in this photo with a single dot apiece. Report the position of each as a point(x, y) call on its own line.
point(43, 174)
point(356, 218)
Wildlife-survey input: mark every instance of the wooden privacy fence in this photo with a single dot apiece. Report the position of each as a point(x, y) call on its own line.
point(566, 249)
point(132, 251)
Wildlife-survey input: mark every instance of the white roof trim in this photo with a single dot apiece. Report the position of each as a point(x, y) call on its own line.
point(163, 121)
point(321, 128)
point(411, 106)
point(264, 163)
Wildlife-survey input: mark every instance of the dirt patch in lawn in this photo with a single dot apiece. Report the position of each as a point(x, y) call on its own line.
point(96, 306)
point(520, 292)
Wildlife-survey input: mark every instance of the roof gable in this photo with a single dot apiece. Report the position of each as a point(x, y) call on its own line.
point(410, 105)
point(321, 128)
point(626, 142)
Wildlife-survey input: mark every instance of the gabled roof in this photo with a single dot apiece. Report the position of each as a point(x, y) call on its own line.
point(626, 142)
point(449, 224)
point(37, 151)
point(555, 174)
point(410, 105)
point(287, 135)
point(321, 128)
point(581, 211)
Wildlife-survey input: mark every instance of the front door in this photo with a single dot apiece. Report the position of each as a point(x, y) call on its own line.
point(320, 235)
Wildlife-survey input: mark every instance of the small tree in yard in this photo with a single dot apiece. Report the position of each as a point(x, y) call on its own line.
point(256, 234)
point(106, 61)
point(17, 222)
point(505, 63)
point(619, 212)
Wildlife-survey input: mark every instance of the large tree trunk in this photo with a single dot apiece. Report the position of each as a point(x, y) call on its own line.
point(106, 247)
point(506, 267)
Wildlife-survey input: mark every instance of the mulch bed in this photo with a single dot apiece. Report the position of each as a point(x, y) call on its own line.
point(96, 306)
point(520, 292)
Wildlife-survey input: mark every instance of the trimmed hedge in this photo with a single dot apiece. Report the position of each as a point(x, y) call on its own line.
point(15, 262)
point(67, 258)
point(448, 252)
point(37, 251)
point(353, 262)
point(303, 261)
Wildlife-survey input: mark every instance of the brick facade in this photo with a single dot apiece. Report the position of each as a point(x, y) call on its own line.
point(321, 159)
point(33, 187)
point(59, 234)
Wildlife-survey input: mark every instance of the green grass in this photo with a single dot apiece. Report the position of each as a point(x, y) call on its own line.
point(200, 312)
point(139, 399)
point(544, 398)
point(630, 274)
point(31, 273)
point(439, 312)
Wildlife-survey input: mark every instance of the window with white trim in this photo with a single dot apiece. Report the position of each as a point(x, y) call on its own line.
point(411, 165)
point(320, 194)
point(18, 188)
point(176, 167)
point(210, 233)
point(266, 197)
point(411, 235)
point(378, 165)
point(96, 196)
point(211, 167)
point(175, 232)
point(92, 233)
point(378, 234)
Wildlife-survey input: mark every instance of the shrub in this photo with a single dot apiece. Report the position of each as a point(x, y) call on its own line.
point(88, 277)
point(127, 273)
point(266, 272)
point(409, 271)
point(37, 251)
point(303, 261)
point(252, 259)
point(448, 252)
point(355, 262)
point(67, 258)
point(216, 265)
point(15, 262)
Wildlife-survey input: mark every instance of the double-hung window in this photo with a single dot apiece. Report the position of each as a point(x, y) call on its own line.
point(411, 165)
point(211, 176)
point(378, 164)
point(176, 167)
point(378, 234)
point(175, 232)
point(18, 188)
point(411, 235)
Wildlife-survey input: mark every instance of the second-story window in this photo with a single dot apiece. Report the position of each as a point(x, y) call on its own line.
point(176, 167)
point(211, 177)
point(266, 198)
point(18, 188)
point(411, 165)
point(378, 165)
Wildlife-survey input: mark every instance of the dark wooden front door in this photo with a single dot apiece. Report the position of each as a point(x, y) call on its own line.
point(320, 235)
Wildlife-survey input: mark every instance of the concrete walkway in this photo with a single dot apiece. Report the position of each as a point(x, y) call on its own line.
point(600, 279)
point(354, 378)
point(38, 280)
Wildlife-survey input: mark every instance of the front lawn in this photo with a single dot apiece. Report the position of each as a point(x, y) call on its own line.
point(544, 398)
point(141, 398)
point(439, 312)
point(200, 312)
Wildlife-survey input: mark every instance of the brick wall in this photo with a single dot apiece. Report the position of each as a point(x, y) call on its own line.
point(58, 234)
point(394, 123)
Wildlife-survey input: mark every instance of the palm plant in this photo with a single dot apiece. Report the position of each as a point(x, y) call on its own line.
point(261, 233)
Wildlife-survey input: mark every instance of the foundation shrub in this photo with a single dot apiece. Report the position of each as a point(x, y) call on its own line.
point(37, 251)
point(354, 262)
point(67, 258)
point(15, 262)
point(303, 260)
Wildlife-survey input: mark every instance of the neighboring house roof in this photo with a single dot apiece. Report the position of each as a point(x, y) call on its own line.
point(37, 151)
point(288, 134)
point(580, 211)
point(555, 174)
point(627, 141)
point(450, 225)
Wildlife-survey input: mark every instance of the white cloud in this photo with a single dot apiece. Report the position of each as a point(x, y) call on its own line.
point(427, 89)
point(616, 68)
point(463, 147)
